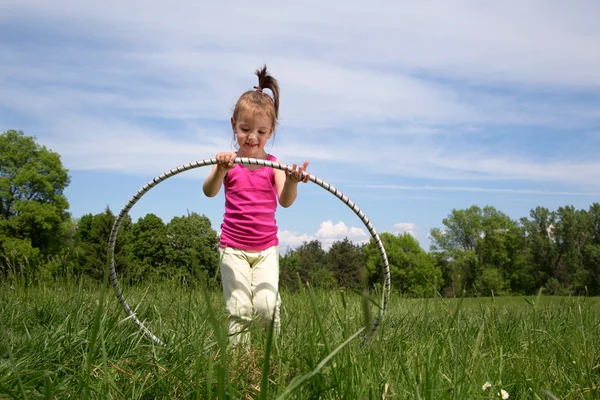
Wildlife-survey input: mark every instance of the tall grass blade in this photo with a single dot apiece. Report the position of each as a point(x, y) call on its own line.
point(299, 381)
point(264, 384)
point(96, 328)
point(222, 370)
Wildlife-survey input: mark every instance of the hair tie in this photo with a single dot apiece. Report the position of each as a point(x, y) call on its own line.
point(259, 90)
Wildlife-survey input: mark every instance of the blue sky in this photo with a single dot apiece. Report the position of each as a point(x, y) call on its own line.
point(411, 108)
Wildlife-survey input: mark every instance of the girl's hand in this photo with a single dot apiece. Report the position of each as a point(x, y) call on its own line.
point(225, 160)
point(295, 174)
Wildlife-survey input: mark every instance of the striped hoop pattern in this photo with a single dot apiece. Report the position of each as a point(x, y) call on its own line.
point(249, 161)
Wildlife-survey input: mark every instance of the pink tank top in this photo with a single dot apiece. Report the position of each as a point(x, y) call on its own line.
point(250, 204)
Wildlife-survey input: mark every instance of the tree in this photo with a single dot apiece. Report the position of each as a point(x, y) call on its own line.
point(192, 248)
point(572, 233)
point(542, 256)
point(463, 228)
point(413, 271)
point(481, 249)
point(591, 251)
point(91, 239)
point(499, 251)
point(347, 262)
point(148, 248)
point(33, 208)
point(289, 270)
point(456, 244)
point(312, 265)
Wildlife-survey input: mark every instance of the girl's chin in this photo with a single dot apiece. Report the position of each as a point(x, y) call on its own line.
point(251, 151)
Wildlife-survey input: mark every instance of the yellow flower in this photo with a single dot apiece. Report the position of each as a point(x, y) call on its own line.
point(504, 394)
point(486, 386)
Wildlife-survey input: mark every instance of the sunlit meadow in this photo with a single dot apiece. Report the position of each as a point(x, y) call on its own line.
point(73, 340)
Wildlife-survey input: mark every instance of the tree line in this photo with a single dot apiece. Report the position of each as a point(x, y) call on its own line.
point(476, 252)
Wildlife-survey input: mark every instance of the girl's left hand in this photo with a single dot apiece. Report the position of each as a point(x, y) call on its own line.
point(295, 174)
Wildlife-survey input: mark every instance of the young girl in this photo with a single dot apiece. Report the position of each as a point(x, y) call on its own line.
point(249, 243)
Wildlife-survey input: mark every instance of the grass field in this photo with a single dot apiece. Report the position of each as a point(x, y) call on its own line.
point(65, 341)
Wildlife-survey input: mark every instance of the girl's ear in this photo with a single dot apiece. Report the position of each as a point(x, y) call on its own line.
point(233, 124)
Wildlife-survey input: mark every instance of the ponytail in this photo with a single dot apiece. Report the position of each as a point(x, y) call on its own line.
point(266, 81)
point(257, 100)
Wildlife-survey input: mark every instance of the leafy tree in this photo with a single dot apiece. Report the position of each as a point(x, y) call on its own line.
point(457, 244)
point(413, 271)
point(482, 250)
point(192, 248)
point(499, 250)
point(91, 238)
point(148, 248)
point(463, 228)
point(289, 270)
point(312, 265)
point(541, 253)
point(572, 233)
point(32, 204)
point(347, 262)
point(83, 230)
point(591, 251)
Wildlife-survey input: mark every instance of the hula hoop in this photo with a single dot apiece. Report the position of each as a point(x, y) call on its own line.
point(240, 160)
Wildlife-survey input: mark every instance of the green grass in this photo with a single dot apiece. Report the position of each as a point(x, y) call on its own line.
point(65, 341)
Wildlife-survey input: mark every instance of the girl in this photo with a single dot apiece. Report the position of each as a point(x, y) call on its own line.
point(249, 244)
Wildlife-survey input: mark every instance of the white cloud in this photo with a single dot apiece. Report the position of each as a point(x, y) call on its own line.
point(154, 87)
point(405, 227)
point(122, 146)
point(327, 234)
point(536, 41)
point(291, 240)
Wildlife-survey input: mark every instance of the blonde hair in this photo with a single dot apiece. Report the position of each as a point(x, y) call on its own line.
point(259, 102)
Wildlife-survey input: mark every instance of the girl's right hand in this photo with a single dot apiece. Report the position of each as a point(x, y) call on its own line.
point(225, 160)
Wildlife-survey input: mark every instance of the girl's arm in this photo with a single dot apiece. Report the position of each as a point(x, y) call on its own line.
point(287, 185)
point(214, 180)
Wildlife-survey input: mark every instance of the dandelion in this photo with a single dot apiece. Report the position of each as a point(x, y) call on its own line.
point(486, 386)
point(504, 394)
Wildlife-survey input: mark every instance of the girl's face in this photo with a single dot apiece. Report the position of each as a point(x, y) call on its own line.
point(252, 130)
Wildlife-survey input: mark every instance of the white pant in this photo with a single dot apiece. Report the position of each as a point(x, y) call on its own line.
point(251, 286)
